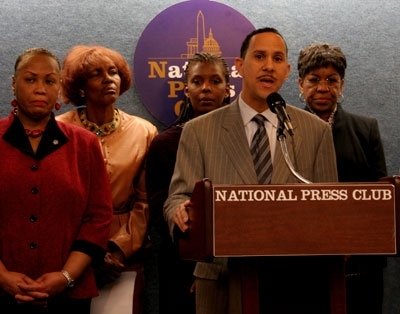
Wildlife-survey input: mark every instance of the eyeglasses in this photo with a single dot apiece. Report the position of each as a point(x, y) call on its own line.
point(330, 81)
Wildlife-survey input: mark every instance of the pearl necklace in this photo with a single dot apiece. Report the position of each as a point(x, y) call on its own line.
point(103, 130)
point(331, 119)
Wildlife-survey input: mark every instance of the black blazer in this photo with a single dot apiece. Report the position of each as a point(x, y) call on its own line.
point(359, 150)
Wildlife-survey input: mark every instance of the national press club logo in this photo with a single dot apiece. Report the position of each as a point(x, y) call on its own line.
point(175, 35)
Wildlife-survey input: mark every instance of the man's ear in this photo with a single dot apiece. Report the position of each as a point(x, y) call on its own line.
point(288, 71)
point(239, 66)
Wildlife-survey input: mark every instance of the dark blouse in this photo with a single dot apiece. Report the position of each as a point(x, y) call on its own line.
point(160, 167)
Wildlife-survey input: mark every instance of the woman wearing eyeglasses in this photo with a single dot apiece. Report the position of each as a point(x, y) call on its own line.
point(359, 155)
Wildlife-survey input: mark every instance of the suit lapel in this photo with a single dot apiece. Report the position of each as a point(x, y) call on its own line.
point(235, 144)
point(234, 141)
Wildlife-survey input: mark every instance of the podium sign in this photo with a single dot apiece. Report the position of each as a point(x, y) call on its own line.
point(304, 220)
point(290, 220)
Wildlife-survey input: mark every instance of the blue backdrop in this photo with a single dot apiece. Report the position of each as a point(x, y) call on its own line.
point(367, 31)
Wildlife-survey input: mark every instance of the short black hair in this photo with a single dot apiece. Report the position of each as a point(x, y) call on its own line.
point(246, 41)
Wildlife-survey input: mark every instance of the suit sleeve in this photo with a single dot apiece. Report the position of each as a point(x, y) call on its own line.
point(188, 170)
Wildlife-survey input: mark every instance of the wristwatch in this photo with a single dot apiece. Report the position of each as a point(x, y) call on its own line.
point(71, 282)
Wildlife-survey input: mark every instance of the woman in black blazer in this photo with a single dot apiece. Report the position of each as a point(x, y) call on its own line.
point(359, 155)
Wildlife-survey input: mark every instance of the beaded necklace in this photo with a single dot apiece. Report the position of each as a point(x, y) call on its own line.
point(30, 133)
point(331, 119)
point(34, 133)
point(103, 130)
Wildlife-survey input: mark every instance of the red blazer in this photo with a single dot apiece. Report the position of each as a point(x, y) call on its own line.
point(52, 202)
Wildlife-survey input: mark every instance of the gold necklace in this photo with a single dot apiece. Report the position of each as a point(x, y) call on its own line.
point(103, 130)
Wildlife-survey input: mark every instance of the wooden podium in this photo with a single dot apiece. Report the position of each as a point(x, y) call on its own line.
point(334, 219)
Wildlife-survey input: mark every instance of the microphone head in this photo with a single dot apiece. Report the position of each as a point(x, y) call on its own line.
point(273, 99)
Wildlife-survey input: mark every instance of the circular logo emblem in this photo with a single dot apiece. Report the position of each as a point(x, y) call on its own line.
point(175, 35)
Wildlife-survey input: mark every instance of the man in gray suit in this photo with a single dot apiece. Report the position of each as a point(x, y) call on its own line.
point(216, 146)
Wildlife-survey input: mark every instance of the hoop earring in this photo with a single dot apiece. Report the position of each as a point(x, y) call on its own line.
point(57, 106)
point(340, 99)
point(14, 103)
point(302, 98)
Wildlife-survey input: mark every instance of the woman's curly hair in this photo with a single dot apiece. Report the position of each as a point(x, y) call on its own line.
point(75, 73)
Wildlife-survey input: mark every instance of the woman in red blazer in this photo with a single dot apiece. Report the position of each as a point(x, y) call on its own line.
point(55, 199)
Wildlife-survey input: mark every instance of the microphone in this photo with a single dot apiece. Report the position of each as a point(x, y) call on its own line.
point(277, 105)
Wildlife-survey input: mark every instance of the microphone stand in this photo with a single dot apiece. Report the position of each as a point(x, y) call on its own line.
point(282, 140)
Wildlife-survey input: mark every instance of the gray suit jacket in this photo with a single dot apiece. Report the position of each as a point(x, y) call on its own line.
point(214, 146)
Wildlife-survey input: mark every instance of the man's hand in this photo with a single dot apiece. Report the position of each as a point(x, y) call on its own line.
point(181, 216)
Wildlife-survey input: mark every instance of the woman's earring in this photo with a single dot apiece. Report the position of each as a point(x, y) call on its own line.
point(57, 106)
point(340, 99)
point(82, 93)
point(14, 103)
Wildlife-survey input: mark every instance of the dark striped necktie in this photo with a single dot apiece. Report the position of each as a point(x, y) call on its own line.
point(261, 152)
